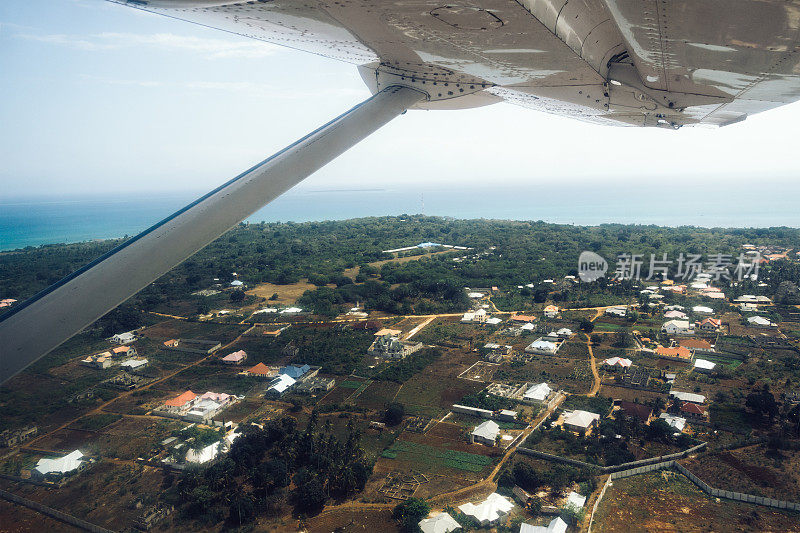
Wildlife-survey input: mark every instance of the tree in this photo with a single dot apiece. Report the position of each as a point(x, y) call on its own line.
point(586, 325)
point(311, 496)
point(237, 296)
point(410, 512)
point(763, 403)
point(394, 414)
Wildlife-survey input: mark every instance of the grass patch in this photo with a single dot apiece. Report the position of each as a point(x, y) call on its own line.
point(431, 456)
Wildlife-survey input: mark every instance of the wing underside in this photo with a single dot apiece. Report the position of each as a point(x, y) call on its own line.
point(672, 63)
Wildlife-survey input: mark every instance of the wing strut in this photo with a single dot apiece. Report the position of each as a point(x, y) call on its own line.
point(33, 328)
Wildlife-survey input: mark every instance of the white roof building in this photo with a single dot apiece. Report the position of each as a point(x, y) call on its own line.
point(688, 396)
point(575, 500)
point(538, 392)
point(203, 455)
point(528, 326)
point(701, 365)
point(702, 309)
point(489, 511)
point(677, 326)
point(493, 321)
point(541, 346)
point(124, 338)
point(617, 311)
point(580, 419)
point(236, 283)
point(475, 294)
point(62, 465)
point(291, 310)
point(441, 523)
point(564, 332)
point(675, 422)
point(468, 317)
point(281, 383)
point(556, 525)
point(487, 431)
point(133, 364)
point(618, 361)
point(760, 321)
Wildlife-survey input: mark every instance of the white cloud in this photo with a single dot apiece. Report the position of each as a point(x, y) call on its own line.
point(211, 48)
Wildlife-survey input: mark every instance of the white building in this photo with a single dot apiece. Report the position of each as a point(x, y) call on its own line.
point(677, 327)
point(490, 511)
point(537, 393)
point(617, 311)
point(486, 433)
point(618, 361)
point(441, 523)
point(556, 525)
point(688, 397)
point(760, 322)
point(124, 338)
point(280, 384)
point(702, 365)
point(675, 422)
point(71, 462)
point(702, 310)
point(203, 455)
point(580, 421)
point(134, 364)
point(542, 347)
point(575, 500)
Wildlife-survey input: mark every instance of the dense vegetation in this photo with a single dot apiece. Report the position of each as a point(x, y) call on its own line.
point(252, 479)
point(504, 253)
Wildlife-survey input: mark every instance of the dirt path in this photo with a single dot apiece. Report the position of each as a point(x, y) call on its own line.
point(419, 328)
point(593, 364)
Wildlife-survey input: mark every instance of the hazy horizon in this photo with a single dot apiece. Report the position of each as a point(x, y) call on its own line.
point(98, 97)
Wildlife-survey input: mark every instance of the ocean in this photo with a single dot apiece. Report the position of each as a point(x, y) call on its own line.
point(33, 221)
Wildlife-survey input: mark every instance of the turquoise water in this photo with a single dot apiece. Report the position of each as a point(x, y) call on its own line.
point(33, 221)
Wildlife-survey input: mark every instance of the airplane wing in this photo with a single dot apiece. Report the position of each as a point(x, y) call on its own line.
point(623, 62)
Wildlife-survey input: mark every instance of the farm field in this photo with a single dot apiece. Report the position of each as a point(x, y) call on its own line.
point(666, 501)
point(176, 329)
point(432, 391)
point(442, 454)
point(571, 375)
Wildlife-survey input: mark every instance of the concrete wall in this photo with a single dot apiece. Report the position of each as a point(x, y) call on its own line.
point(615, 468)
point(53, 513)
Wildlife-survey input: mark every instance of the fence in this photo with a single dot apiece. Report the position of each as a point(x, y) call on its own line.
point(702, 485)
point(53, 513)
point(597, 502)
point(615, 468)
point(737, 496)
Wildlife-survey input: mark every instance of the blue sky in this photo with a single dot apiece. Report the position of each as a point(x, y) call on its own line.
point(96, 97)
